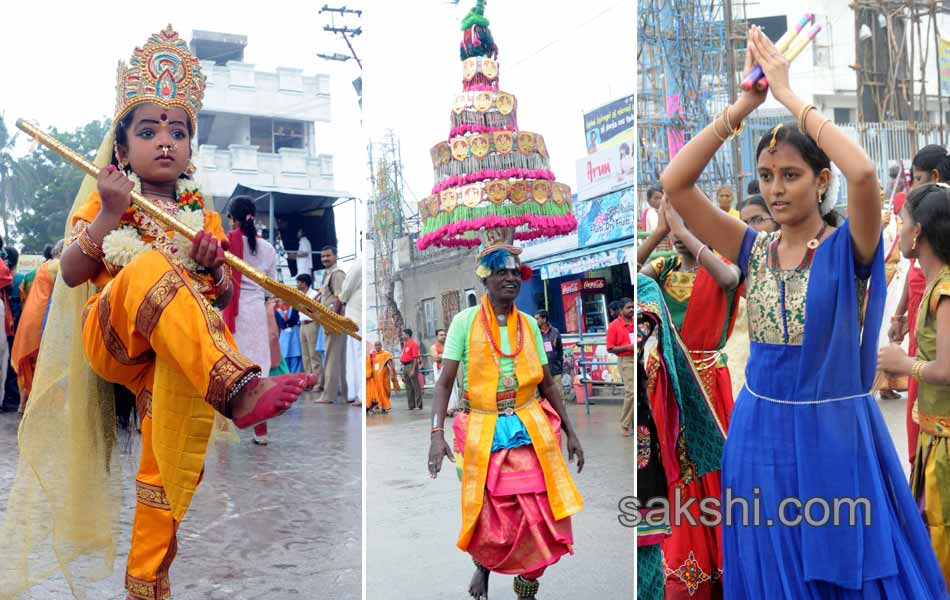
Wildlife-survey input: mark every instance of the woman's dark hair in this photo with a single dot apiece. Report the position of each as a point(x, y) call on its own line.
point(757, 200)
point(48, 251)
point(929, 206)
point(122, 135)
point(933, 158)
point(242, 210)
point(657, 189)
point(11, 257)
point(815, 157)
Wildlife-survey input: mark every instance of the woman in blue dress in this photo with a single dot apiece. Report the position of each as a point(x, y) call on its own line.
point(805, 431)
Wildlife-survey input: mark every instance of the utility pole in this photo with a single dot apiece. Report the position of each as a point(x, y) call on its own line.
point(347, 33)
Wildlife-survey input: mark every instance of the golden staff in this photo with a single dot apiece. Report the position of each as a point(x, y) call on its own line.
point(332, 322)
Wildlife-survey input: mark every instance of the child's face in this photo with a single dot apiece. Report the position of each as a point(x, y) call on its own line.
point(159, 145)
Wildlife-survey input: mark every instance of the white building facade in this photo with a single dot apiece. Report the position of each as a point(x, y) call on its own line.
point(260, 129)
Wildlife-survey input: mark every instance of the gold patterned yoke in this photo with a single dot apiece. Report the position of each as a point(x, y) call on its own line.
point(776, 297)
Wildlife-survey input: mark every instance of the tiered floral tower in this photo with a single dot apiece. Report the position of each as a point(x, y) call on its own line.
point(490, 175)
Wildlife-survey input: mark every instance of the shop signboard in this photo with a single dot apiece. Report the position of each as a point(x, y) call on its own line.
point(609, 125)
point(606, 218)
point(583, 264)
point(604, 172)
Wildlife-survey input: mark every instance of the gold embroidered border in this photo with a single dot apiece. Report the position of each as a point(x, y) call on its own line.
point(151, 495)
point(228, 369)
point(224, 374)
point(143, 403)
point(111, 338)
point(148, 590)
point(157, 299)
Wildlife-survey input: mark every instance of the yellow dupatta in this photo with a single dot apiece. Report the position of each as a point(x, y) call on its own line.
point(484, 374)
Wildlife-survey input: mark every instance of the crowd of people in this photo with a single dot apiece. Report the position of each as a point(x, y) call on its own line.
point(786, 417)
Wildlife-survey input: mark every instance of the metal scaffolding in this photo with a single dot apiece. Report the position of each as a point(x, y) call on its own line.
point(387, 215)
point(686, 68)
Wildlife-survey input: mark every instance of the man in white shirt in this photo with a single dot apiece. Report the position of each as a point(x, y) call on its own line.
point(303, 255)
point(352, 297)
point(312, 361)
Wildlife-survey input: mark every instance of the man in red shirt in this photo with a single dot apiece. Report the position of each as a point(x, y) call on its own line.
point(410, 360)
point(621, 341)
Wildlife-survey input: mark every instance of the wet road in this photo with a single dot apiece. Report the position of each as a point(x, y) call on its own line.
point(276, 522)
point(412, 522)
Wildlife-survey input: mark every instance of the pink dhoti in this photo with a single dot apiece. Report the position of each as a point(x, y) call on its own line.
point(516, 532)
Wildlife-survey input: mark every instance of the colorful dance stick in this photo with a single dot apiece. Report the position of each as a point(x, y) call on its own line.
point(783, 43)
point(793, 53)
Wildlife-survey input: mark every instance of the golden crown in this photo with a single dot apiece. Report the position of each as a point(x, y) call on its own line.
point(163, 72)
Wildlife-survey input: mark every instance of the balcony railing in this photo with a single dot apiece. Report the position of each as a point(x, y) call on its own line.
point(222, 169)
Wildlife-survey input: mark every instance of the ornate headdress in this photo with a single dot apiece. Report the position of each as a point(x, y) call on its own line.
point(163, 72)
point(489, 175)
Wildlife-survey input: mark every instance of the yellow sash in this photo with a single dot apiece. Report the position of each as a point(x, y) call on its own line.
point(563, 496)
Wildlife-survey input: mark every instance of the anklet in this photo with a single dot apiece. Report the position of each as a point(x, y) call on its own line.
point(526, 588)
point(239, 387)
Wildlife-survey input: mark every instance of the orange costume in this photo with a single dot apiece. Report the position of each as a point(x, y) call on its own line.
point(26, 343)
point(140, 331)
point(151, 328)
point(378, 377)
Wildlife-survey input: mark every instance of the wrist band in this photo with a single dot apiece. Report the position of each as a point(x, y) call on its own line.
point(804, 115)
point(917, 371)
point(820, 127)
point(225, 276)
point(700, 253)
point(435, 429)
point(89, 247)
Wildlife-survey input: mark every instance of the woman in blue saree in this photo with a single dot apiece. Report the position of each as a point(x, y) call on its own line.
point(805, 429)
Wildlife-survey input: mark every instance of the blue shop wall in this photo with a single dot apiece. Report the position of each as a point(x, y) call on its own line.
point(531, 298)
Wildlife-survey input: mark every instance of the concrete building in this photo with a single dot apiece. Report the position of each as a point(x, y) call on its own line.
point(263, 134)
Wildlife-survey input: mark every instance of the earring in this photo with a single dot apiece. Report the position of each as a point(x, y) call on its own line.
point(122, 163)
point(191, 169)
point(914, 247)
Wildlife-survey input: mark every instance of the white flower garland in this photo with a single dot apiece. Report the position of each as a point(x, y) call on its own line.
point(122, 245)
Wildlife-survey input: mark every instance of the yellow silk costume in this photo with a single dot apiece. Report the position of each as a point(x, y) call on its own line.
point(149, 327)
point(563, 496)
point(140, 332)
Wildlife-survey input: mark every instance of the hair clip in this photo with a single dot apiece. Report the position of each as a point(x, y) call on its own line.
point(775, 131)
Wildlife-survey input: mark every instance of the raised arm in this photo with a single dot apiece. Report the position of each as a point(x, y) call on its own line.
point(864, 211)
point(727, 276)
point(649, 244)
point(710, 224)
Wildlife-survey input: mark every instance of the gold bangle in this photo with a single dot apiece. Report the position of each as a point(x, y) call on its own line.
point(917, 371)
point(820, 127)
point(804, 115)
point(732, 130)
point(89, 247)
point(716, 129)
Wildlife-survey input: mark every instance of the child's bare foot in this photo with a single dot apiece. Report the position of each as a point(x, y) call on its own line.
point(266, 398)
